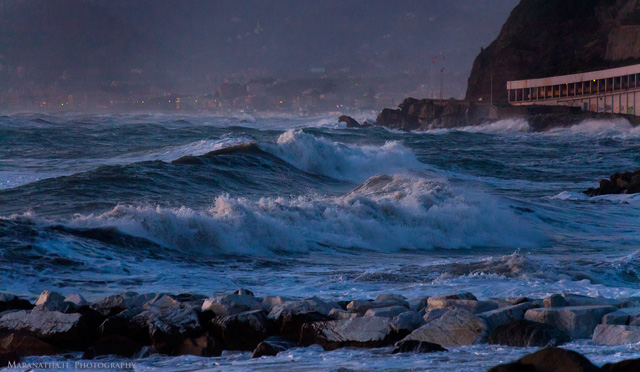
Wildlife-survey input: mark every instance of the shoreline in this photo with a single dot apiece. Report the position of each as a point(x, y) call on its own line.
point(137, 326)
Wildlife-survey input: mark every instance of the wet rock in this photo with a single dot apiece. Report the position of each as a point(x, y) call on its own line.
point(407, 322)
point(231, 304)
point(25, 345)
point(290, 324)
point(70, 331)
point(629, 365)
point(351, 122)
point(550, 359)
point(510, 301)
point(413, 346)
point(53, 301)
point(634, 315)
point(388, 312)
point(618, 183)
point(576, 321)
point(457, 296)
point(168, 328)
point(610, 334)
point(471, 305)
point(555, 300)
point(369, 331)
point(456, 327)
point(338, 314)
point(113, 345)
point(242, 331)
point(362, 306)
point(525, 333)
point(122, 324)
point(618, 317)
point(203, 346)
point(272, 346)
point(11, 302)
point(505, 315)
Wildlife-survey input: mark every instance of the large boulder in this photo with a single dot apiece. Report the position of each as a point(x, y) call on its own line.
point(504, 315)
point(25, 345)
point(456, 327)
point(525, 333)
point(576, 321)
point(68, 331)
point(629, 365)
point(413, 346)
point(371, 331)
point(338, 314)
point(611, 334)
point(53, 301)
point(243, 331)
point(231, 304)
point(290, 316)
point(272, 346)
point(168, 328)
point(549, 359)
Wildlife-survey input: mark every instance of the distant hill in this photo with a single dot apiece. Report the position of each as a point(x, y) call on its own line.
point(554, 37)
point(88, 43)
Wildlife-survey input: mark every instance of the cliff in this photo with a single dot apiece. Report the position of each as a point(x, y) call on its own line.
point(555, 37)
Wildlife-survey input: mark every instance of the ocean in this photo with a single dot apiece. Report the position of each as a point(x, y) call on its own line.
point(282, 205)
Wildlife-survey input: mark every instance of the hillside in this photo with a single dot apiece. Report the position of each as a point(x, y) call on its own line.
point(554, 37)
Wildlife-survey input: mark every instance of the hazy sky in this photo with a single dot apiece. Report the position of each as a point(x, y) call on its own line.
point(77, 44)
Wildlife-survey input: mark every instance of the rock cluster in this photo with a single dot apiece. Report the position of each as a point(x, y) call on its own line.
point(138, 325)
point(618, 183)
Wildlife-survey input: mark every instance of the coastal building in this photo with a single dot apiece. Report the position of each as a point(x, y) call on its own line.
point(615, 91)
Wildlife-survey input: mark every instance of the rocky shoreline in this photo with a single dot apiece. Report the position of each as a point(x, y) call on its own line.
point(425, 114)
point(135, 325)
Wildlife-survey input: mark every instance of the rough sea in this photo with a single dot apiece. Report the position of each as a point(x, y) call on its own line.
point(283, 205)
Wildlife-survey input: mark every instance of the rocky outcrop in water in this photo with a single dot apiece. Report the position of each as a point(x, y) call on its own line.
point(618, 183)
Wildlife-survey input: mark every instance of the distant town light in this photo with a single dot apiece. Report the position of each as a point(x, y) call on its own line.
point(280, 101)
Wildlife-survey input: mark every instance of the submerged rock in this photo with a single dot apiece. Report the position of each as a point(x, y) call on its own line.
point(351, 122)
point(410, 346)
point(272, 346)
point(525, 333)
point(550, 359)
point(618, 183)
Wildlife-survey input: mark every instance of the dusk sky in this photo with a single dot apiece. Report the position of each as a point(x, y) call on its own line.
point(83, 44)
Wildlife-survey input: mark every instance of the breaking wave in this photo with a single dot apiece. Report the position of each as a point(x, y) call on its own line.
point(386, 213)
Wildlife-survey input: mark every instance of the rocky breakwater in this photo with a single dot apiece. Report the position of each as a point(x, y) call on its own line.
point(135, 325)
point(618, 183)
point(414, 114)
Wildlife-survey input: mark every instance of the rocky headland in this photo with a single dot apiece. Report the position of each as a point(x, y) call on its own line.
point(135, 325)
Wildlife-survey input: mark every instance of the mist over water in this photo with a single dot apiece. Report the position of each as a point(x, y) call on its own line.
point(209, 204)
